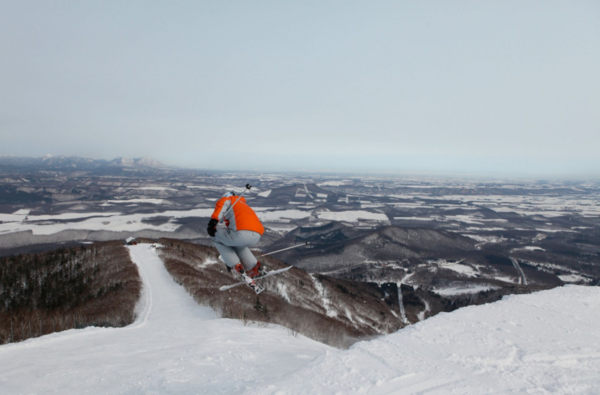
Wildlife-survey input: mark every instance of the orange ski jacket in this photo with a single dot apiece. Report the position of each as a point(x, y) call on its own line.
point(241, 217)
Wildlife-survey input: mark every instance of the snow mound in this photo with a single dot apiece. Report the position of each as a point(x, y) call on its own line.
point(540, 343)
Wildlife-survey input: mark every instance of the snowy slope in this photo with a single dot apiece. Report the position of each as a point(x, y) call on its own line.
point(542, 343)
point(175, 347)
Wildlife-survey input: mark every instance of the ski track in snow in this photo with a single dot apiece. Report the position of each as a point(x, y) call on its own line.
point(401, 304)
point(521, 274)
point(543, 343)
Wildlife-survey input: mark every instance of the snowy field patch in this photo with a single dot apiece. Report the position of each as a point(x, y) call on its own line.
point(280, 227)
point(50, 224)
point(574, 278)
point(155, 189)
point(283, 215)
point(507, 279)
point(335, 183)
point(463, 290)
point(150, 201)
point(415, 218)
point(529, 248)
point(352, 216)
point(482, 239)
point(457, 267)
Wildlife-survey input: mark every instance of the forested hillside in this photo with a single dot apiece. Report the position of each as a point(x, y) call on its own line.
point(333, 311)
point(67, 288)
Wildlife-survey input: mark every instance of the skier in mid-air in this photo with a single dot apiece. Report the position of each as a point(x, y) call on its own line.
point(243, 230)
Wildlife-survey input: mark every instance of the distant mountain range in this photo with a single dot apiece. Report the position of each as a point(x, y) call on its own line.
point(78, 163)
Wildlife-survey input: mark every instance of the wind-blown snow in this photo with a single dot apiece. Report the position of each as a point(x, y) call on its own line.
point(541, 343)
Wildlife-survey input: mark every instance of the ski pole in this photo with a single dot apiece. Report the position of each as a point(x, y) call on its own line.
point(285, 249)
point(248, 186)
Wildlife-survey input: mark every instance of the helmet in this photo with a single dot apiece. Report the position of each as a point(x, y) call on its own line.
point(230, 193)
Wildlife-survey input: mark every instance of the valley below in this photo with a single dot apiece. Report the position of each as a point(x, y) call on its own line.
point(439, 243)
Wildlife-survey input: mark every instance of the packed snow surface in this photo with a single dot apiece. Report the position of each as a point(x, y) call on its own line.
point(543, 343)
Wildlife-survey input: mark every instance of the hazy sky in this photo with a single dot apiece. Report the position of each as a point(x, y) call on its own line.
point(466, 86)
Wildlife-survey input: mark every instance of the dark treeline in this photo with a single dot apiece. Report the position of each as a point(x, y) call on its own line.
point(67, 288)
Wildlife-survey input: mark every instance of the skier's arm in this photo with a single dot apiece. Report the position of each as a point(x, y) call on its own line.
point(221, 208)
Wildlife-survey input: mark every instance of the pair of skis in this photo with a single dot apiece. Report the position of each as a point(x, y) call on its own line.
point(258, 288)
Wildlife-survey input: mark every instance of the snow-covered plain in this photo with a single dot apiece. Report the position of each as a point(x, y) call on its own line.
point(543, 343)
point(283, 215)
point(50, 224)
point(352, 216)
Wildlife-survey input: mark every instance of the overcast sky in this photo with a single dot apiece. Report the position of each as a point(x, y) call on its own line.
point(436, 86)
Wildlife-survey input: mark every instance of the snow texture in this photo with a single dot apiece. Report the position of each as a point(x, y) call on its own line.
point(543, 343)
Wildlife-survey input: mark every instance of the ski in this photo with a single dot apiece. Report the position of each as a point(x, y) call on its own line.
point(257, 288)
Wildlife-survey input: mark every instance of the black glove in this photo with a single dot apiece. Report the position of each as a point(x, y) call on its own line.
point(212, 227)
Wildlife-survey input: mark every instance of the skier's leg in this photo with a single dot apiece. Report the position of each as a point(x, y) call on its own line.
point(245, 239)
point(228, 254)
point(238, 242)
point(246, 257)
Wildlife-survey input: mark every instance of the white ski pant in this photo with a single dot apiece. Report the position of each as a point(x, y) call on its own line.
point(233, 246)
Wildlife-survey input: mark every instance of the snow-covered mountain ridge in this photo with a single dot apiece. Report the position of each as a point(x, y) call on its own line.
point(546, 342)
point(76, 163)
